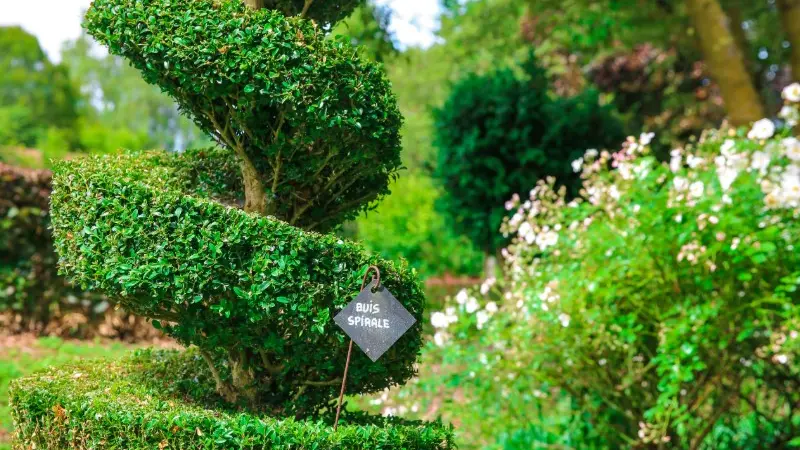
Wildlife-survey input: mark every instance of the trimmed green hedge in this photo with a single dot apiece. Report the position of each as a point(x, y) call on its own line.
point(143, 402)
point(315, 126)
point(256, 294)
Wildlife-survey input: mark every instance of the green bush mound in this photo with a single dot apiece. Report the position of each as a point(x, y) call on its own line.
point(145, 401)
point(251, 289)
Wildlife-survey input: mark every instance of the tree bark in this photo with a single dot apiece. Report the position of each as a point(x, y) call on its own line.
point(255, 197)
point(735, 14)
point(789, 11)
point(255, 4)
point(725, 61)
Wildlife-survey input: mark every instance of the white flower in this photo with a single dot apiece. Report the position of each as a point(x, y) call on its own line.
point(792, 147)
point(727, 146)
point(763, 129)
point(482, 318)
point(472, 305)
point(547, 239)
point(726, 177)
point(439, 320)
point(676, 160)
point(526, 232)
point(450, 314)
point(696, 189)
point(487, 284)
point(680, 184)
point(564, 319)
point(439, 338)
point(694, 161)
point(790, 114)
point(782, 359)
point(614, 192)
point(791, 92)
point(462, 296)
point(577, 165)
point(760, 161)
point(491, 307)
point(646, 138)
point(591, 153)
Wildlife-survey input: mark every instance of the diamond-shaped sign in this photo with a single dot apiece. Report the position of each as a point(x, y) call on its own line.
point(374, 320)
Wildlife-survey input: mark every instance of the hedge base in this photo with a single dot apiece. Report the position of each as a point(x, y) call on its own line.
point(159, 400)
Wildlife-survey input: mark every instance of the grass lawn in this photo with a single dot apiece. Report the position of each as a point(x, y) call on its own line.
point(22, 355)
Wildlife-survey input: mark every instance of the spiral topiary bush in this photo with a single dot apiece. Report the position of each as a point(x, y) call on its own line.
point(221, 247)
point(314, 127)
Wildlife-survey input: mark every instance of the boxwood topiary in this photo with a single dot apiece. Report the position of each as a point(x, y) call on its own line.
point(313, 132)
point(150, 401)
point(255, 294)
point(314, 126)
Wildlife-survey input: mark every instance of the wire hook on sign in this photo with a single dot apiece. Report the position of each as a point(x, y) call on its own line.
point(377, 279)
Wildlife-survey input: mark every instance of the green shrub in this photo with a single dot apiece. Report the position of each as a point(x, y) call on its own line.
point(314, 131)
point(314, 126)
point(406, 225)
point(33, 297)
point(251, 290)
point(498, 133)
point(149, 400)
point(662, 303)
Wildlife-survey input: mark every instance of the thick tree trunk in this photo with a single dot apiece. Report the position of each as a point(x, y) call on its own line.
point(735, 14)
point(789, 11)
point(255, 196)
point(725, 61)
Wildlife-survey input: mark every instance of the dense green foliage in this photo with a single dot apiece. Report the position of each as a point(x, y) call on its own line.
point(293, 105)
point(325, 13)
point(26, 355)
point(31, 288)
point(657, 309)
point(251, 290)
point(149, 400)
point(35, 95)
point(499, 132)
point(33, 297)
point(660, 91)
point(406, 225)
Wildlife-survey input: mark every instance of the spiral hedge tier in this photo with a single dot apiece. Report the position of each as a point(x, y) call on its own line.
point(256, 295)
point(315, 126)
point(165, 400)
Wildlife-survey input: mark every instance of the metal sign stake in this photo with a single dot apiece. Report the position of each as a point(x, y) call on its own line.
point(377, 279)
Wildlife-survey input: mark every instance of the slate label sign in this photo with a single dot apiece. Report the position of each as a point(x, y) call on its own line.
point(374, 320)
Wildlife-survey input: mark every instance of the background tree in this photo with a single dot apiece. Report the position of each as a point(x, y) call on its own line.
point(721, 50)
point(368, 27)
point(120, 110)
point(497, 132)
point(35, 95)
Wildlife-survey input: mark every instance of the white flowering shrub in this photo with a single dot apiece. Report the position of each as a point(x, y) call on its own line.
point(658, 310)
